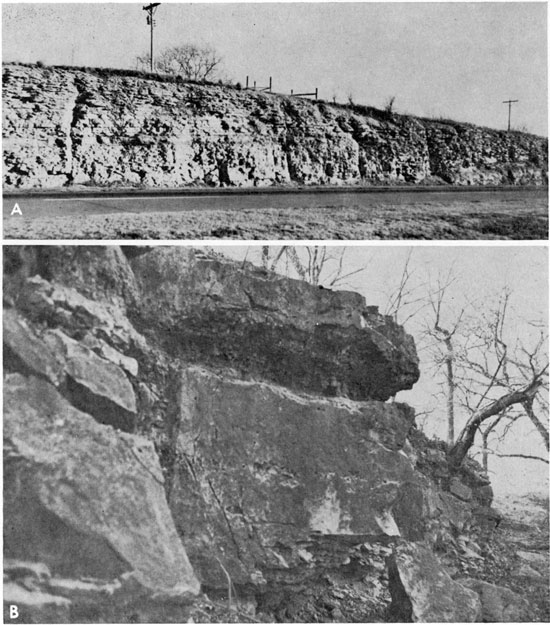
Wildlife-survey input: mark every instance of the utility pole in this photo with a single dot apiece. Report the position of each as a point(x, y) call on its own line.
point(151, 8)
point(509, 103)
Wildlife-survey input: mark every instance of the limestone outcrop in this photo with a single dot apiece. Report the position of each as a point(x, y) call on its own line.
point(68, 126)
point(150, 478)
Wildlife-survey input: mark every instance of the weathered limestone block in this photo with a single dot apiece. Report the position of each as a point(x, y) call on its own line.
point(460, 490)
point(130, 365)
point(423, 592)
point(92, 384)
point(64, 307)
point(257, 469)
point(95, 385)
point(538, 559)
point(25, 352)
point(268, 326)
point(83, 500)
point(499, 604)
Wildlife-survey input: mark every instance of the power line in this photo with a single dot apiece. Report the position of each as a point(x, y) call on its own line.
point(509, 103)
point(151, 9)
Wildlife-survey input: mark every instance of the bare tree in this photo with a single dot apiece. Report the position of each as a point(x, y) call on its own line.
point(407, 298)
point(444, 335)
point(489, 382)
point(190, 61)
point(521, 396)
point(388, 105)
point(314, 264)
point(504, 381)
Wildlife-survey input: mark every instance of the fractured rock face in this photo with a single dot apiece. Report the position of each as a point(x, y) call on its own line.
point(267, 326)
point(83, 500)
point(265, 469)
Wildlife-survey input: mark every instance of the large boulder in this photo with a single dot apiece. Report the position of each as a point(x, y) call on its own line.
point(423, 592)
point(259, 470)
point(267, 326)
point(498, 604)
point(84, 500)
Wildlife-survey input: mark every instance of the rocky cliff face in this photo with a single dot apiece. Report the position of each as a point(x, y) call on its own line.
point(64, 127)
point(182, 432)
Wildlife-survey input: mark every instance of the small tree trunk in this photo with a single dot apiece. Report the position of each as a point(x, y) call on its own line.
point(449, 366)
point(485, 452)
point(450, 393)
point(541, 429)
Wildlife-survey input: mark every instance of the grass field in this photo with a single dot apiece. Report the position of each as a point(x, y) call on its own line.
point(490, 218)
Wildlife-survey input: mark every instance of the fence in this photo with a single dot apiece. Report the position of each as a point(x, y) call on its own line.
point(269, 89)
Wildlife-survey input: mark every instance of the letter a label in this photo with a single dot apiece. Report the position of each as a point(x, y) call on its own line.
point(16, 210)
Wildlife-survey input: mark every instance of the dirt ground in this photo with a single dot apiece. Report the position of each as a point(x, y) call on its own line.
point(477, 219)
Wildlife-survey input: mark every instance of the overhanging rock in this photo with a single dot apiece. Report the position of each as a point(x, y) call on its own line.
point(271, 327)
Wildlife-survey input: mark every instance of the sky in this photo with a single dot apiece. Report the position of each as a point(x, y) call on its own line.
point(481, 274)
point(451, 60)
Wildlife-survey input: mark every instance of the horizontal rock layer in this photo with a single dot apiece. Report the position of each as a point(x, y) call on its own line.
point(65, 126)
point(267, 326)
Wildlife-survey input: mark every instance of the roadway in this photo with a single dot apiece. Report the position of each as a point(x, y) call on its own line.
point(65, 204)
